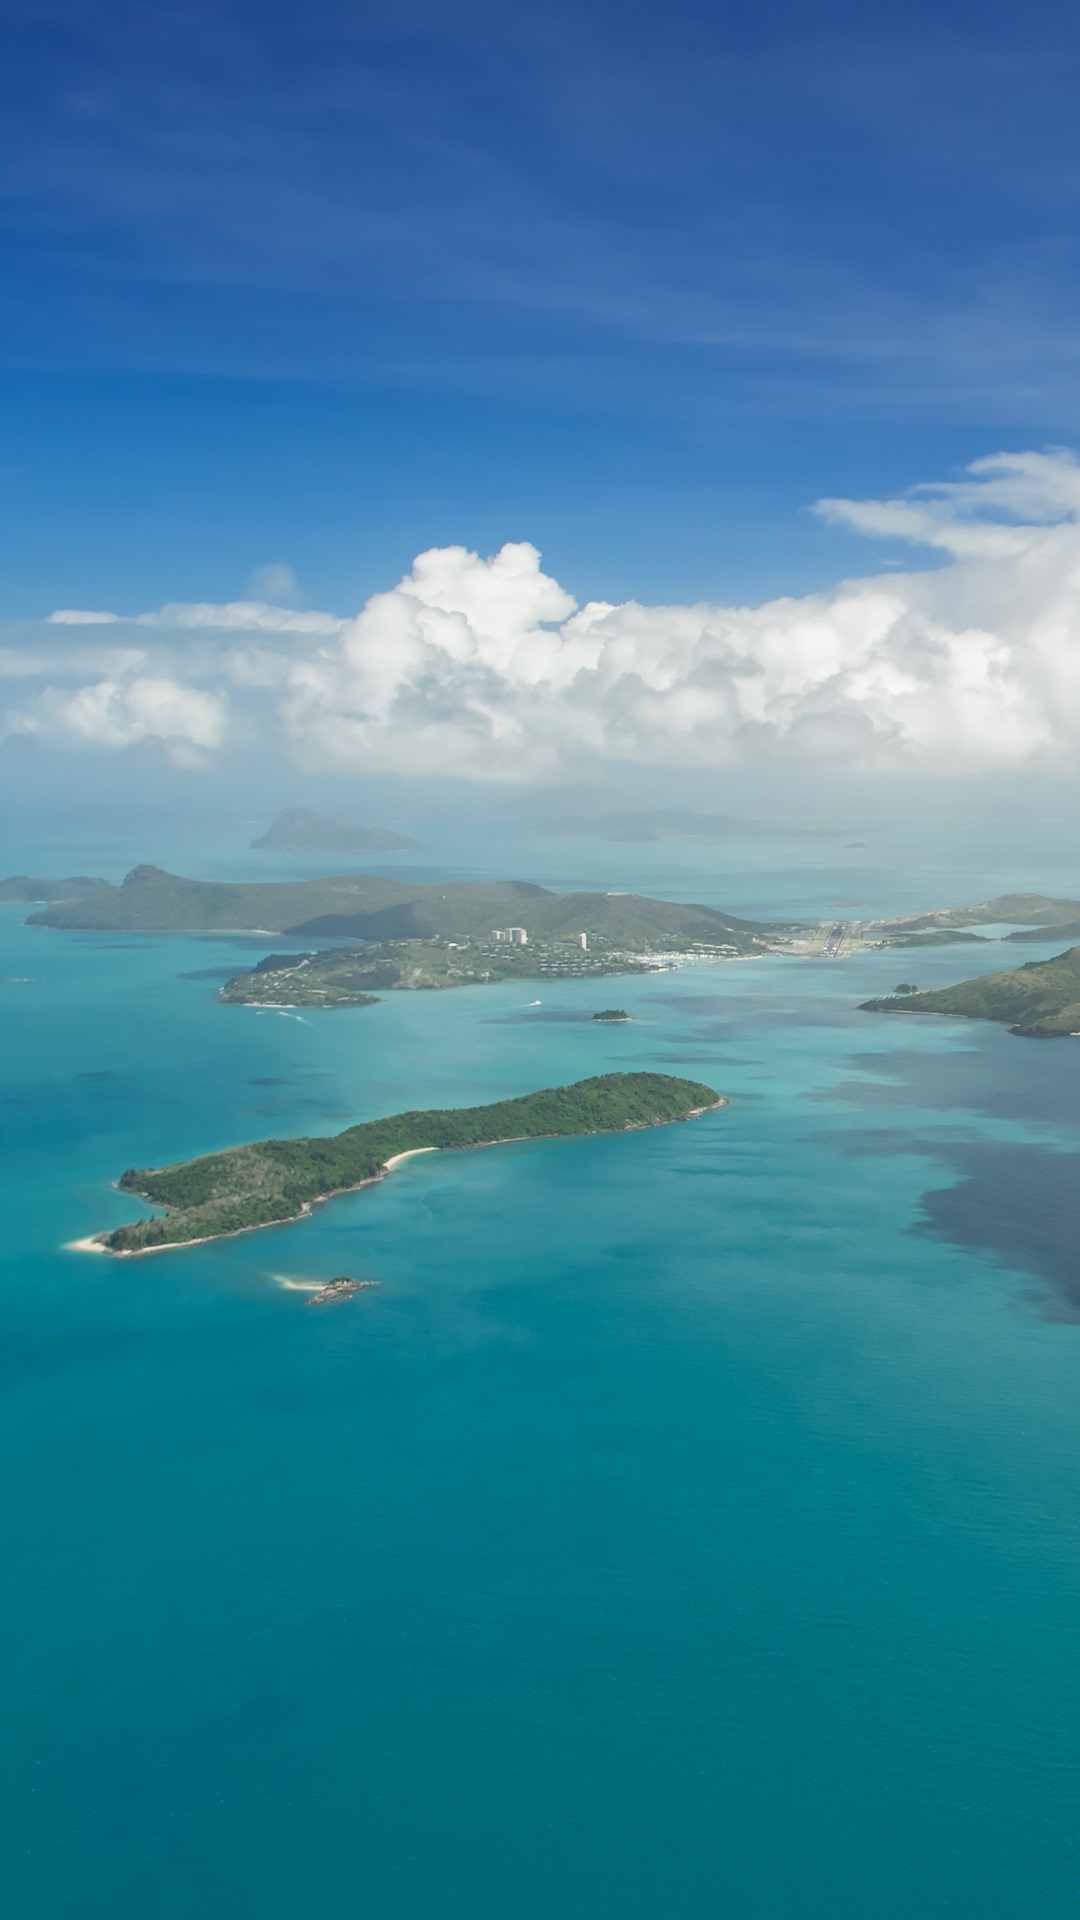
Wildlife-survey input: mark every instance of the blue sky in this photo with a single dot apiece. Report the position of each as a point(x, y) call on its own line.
point(331, 284)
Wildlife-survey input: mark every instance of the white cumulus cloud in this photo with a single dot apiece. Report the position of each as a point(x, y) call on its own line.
point(487, 668)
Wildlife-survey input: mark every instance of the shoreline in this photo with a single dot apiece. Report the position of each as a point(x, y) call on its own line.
point(94, 1243)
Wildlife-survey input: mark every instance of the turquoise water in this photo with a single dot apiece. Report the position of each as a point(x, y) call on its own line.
point(687, 1525)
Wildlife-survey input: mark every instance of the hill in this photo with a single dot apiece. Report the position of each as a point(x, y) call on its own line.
point(278, 1180)
point(300, 830)
point(1041, 999)
point(367, 907)
point(1030, 910)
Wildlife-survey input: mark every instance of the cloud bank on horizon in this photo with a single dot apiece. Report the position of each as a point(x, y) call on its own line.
point(488, 669)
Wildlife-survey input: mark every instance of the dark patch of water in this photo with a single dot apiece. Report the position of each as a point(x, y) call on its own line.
point(1018, 1202)
point(999, 1076)
point(1022, 1205)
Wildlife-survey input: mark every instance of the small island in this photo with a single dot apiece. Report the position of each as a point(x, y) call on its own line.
point(1040, 1000)
point(274, 1181)
point(342, 1288)
point(612, 1013)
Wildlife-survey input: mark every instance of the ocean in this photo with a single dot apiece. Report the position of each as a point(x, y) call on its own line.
point(687, 1525)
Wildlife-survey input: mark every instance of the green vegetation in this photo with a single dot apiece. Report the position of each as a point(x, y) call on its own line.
point(278, 1180)
point(299, 830)
point(612, 1013)
point(352, 977)
point(367, 907)
point(1022, 909)
point(941, 937)
point(1041, 998)
point(343, 977)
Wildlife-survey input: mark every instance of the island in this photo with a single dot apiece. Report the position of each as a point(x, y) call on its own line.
point(274, 1181)
point(1035, 916)
point(370, 907)
point(301, 830)
point(612, 1013)
point(343, 1288)
point(1040, 999)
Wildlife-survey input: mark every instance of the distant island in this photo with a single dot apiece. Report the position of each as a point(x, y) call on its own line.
point(373, 908)
point(1037, 916)
point(1040, 999)
point(300, 830)
point(605, 813)
point(612, 1013)
point(275, 1181)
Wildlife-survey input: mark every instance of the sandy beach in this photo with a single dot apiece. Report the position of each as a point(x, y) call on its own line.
point(92, 1243)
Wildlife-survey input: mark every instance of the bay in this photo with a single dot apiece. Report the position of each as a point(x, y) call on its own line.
point(686, 1524)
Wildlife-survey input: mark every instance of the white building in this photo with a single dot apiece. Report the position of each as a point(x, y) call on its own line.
point(513, 936)
point(583, 942)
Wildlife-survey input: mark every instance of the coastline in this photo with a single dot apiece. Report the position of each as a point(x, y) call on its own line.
point(94, 1243)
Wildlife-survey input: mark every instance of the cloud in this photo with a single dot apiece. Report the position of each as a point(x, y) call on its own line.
point(276, 582)
point(486, 668)
point(247, 616)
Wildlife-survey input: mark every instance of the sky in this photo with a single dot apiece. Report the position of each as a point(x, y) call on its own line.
point(292, 295)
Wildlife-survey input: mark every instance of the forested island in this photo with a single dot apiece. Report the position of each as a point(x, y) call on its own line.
point(273, 1181)
point(368, 907)
point(1040, 999)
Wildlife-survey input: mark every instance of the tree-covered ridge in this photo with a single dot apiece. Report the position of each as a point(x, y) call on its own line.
point(277, 1180)
point(370, 908)
point(1031, 910)
point(1041, 998)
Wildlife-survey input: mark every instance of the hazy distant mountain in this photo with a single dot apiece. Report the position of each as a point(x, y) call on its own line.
point(605, 813)
point(300, 830)
point(578, 800)
point(667, 823)
point(23, 888)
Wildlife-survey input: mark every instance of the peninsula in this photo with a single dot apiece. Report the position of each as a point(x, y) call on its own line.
point(355, 976)
point(1040, 999)
point(273, 1181)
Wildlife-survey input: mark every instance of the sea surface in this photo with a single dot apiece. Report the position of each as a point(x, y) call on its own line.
point(687, 1525)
